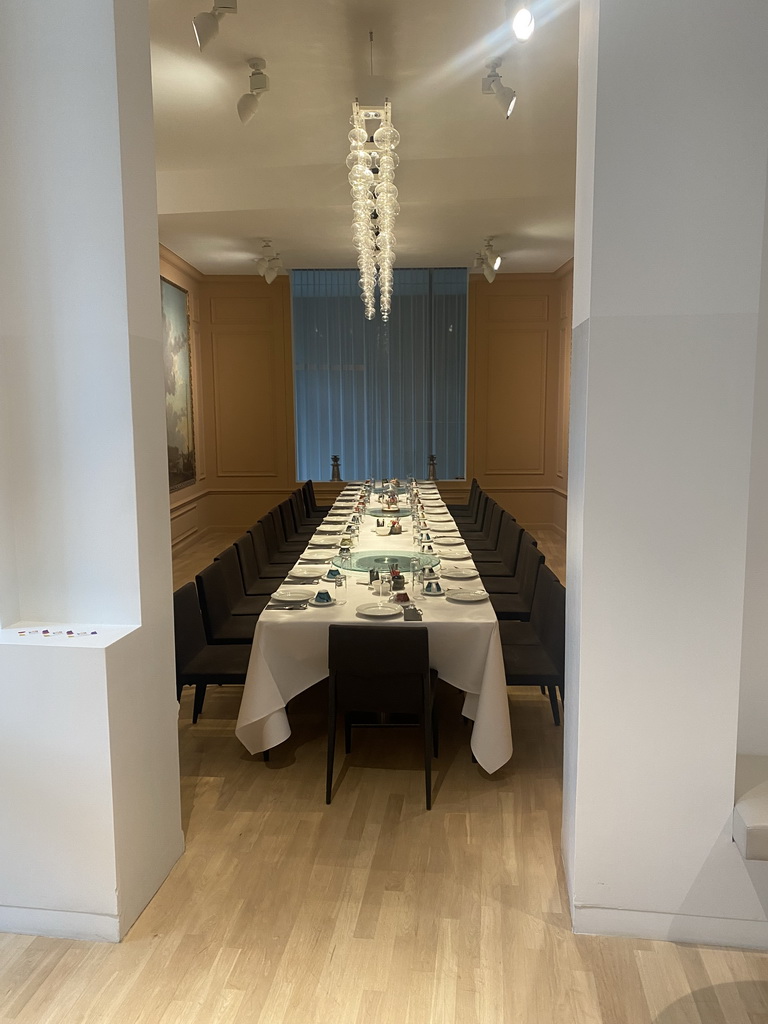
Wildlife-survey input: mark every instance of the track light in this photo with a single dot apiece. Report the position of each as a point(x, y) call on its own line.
point(488, 261)
point(259, 83)
point(492, 86)
point(521, 19)
point(206, 25)
point(269, 264)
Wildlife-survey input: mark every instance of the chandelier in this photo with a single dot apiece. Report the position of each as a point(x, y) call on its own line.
point(372, 162)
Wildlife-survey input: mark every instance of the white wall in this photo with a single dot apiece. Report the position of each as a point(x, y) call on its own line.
point(91, 819)
point(673, 199)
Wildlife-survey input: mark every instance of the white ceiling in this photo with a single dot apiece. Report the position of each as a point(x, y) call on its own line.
point(464, 171)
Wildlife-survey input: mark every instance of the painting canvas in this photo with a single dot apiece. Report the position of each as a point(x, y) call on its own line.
point(178, 385)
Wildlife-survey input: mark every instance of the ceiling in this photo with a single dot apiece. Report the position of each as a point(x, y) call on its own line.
point(465, 172)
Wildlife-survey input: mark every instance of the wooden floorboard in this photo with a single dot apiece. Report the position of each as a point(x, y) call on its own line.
point(372, 910)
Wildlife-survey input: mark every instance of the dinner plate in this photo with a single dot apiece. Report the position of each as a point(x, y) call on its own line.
point(331, 526)
point(440, 515)
point(314, 556)
point(322, 604)
point(379, 611)
point(325, 542)
point(465, 596)
point(448, 540)
point(441, 528)
point(459, 574)
point(289, 595)
point(431, 503)
point(308, 572)
point(457, 555)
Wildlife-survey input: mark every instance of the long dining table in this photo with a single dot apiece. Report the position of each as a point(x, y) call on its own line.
point(290, 645)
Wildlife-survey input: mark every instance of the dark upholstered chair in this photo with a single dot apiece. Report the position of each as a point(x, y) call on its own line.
point(468, 510)
point(222, 626)
point(199, 663)
point(287, 542)
point(270, 567)
point(503, 561)
point(249, 568)
point(310, 501)
point(384, 670)
point(302, 521)
point(239, 602)
point(536, 657)
point(518, 606)
point(488, 538)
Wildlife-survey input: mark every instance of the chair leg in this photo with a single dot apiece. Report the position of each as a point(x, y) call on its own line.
point(265, 755)
point(199, 701)
point(331, 744)
point(428, 759)
point(435, 737)
point(553, 702)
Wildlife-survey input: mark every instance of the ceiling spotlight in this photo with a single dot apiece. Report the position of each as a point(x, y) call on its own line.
point(487, 260)
point(522, 20)
point(269, 264)
point(492, 86)
point(206, 25)
point(259, 83)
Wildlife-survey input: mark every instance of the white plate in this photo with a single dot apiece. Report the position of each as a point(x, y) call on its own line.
point(435, 514)
point(308, 572)
point(331, 526)
point(465, 596)
point(376, 611)
point(448, 540)
point(322, 604)
point(325, 542)
point(433, 504)
point(314, 556)
point(289, 595)
point(460, 574)
point(458, 556)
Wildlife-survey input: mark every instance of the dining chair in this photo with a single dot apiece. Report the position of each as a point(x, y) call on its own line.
point(471, 502)
point(239, 602)
point(518, 606)
point(270, 567)
point(383, 670)
point(199, 663)
point(249, 568)
point(301, 518)
point(488, 538)
point(287, 541)
point(311, 501)
point(222, 625)
point(534, 652)
point(512, 583)
point(503, 561)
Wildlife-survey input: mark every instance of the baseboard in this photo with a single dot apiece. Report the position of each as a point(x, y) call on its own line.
point(60, 924)
point(642, 924)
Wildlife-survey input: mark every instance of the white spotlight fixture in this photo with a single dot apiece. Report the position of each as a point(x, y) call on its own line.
point(206, 25)
point(492, 86)
point(521, 19)
point(269, 264)
point(487, 260)
point(259, 83)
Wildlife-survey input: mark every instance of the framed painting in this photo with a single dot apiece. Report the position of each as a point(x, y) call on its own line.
point(177, 358)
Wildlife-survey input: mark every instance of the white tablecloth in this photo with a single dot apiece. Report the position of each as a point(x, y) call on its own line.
point(290, 653)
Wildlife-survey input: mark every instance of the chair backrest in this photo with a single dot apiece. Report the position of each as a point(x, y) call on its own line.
point(528, 562)
point(283, 520)
point(298, 514)
point(310, 491)
point(379, 668)
point(540, 607)
point(188, 628)
point(494, 523)
point(246, 556)
point(271, 537)
point(553, 631)
point(260, 549)
point(233, 579)
point(510, 535)
point(214, 599)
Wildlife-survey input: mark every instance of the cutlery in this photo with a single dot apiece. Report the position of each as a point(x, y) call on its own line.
point(297, 606)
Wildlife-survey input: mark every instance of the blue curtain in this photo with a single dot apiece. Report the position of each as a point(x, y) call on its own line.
point(381, 396)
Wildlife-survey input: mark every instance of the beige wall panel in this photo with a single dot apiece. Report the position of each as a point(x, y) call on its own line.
point(244, 377)
point(184, 522)
point(241, 509)
point(515, 392)
point(517, 308)
point(237, 309)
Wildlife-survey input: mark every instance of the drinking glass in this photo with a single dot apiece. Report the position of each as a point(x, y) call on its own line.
point(385, 582)
point(341, 589)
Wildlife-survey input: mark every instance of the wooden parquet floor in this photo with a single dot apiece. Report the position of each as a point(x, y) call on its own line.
point(372, 910)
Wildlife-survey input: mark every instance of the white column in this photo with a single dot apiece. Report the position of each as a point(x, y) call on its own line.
point(671, 190)
point(88, 749)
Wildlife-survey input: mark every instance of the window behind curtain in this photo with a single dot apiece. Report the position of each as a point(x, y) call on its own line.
point(381, 396)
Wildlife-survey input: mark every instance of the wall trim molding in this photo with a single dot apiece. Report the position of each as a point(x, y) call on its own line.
point(647, 924)
point(180, 264)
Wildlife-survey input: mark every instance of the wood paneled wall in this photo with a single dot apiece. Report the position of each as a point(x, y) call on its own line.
point(519, 358)
point(517, 415)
